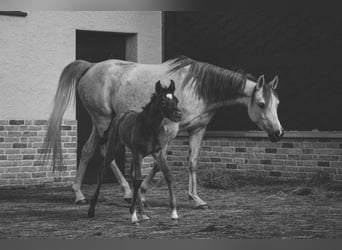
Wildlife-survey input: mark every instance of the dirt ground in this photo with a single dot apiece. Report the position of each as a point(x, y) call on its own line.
point(277, 211)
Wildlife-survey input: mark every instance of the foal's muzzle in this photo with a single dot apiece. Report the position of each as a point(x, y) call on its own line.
point(176, 116)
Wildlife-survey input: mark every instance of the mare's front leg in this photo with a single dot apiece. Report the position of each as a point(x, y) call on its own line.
point(161, 160)
point(195, 141)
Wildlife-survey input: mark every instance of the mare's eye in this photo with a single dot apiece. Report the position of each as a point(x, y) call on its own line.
point(261, 105)
point(163, 103)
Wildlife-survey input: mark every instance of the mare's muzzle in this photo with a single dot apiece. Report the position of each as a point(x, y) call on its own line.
point(276, 136)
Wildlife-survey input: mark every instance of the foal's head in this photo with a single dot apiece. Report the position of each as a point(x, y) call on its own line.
point(263, 108)
point(167, 102)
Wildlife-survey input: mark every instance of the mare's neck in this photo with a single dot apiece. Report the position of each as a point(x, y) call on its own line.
point(244, 99)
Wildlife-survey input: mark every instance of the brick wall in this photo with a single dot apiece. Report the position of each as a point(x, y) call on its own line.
point(291, 158)
point(20, 148)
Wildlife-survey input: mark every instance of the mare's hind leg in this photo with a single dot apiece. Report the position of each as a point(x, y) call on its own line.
point(122, 182)
point(119, 163)
point(87, 153)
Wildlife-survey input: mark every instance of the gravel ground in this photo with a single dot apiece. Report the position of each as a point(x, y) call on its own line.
point(250, 211)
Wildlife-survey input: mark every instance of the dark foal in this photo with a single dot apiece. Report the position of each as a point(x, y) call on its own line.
point(144, 133)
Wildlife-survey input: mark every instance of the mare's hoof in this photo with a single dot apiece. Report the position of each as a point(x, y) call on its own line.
point(91, 213)
point(203, 207)
point(145, 217)
point(135, 223)
point(128, 200)
point(81, 202)
point(174, 222)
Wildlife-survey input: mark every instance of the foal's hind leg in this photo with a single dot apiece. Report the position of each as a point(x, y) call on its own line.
point(148, 179)
point(87, 153)
point(94, 199)
point(136, 181)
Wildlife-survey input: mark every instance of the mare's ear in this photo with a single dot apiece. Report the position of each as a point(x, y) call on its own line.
point(274, 83)
point(172, 86)
point(261, 81)
point(158, 87)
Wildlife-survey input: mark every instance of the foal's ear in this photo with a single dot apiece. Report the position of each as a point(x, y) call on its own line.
point(274, 83)
point(158, 87)
point(260, 82)
point(172, 86)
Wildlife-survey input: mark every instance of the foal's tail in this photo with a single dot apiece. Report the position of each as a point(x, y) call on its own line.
point(68, 80)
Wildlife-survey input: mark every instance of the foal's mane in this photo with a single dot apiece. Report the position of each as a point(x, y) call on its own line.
point(211, 82)
point(148, 105)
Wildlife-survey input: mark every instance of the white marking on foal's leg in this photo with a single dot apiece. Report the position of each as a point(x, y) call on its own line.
point(174, 215)
point(134, 218)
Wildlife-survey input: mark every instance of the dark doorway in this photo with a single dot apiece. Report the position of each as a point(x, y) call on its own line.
point(95, 46)
point(302, 47)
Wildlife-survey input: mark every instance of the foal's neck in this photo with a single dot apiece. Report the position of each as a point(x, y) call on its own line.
point(152, 116)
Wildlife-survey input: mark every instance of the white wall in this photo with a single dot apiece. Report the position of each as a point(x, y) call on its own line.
point(35, 49)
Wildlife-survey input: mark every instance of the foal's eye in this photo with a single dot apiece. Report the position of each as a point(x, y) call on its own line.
point(261, 105)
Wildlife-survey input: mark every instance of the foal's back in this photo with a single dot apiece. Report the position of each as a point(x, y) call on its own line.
point(119, 133)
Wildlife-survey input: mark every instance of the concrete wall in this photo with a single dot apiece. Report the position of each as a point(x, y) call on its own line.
point(35, 49)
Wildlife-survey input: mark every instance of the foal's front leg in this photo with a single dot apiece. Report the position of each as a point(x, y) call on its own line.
point(161, 160)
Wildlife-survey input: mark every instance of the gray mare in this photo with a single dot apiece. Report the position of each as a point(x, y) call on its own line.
point(114, 86)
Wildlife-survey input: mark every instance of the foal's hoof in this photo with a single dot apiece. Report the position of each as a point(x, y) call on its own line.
point(145, 204)
point(91, 213)
point(136, 223)
point(174, 222)
point(202, 207)
point(81, 202)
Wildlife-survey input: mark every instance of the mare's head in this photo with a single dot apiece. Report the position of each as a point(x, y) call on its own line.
point(263, 106)
point(167, 101)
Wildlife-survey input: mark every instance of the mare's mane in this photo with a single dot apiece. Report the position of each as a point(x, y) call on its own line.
point(212, 83)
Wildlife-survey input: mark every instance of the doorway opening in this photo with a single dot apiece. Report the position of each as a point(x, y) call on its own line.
point(97, 46)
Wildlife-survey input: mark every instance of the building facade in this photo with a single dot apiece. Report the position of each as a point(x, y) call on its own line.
point(301, 48)
point(34, 49)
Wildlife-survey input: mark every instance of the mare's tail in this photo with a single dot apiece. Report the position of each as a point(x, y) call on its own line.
point(68, 80)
